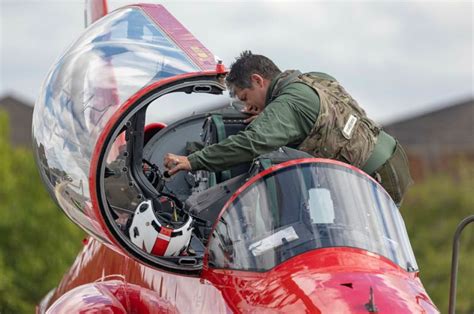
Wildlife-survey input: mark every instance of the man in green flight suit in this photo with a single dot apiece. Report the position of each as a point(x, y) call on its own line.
point(311, 110)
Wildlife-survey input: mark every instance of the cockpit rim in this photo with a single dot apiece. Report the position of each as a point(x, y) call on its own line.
point(134, 104)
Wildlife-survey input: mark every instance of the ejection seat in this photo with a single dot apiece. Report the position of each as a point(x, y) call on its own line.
point(217, 126)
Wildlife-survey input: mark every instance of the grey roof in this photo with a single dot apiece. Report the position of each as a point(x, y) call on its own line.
point(446, 130)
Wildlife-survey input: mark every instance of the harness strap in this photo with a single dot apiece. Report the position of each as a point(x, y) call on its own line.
point(221, 135)
point(272, 192)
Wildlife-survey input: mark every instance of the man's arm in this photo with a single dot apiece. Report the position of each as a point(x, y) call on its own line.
point(287, 119)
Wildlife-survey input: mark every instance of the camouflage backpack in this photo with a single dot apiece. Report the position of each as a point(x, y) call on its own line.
point(342, 130)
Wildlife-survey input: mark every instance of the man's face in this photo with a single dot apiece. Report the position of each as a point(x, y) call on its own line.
point(254, 96)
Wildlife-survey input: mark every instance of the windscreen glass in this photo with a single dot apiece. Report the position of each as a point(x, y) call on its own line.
point(305, 207)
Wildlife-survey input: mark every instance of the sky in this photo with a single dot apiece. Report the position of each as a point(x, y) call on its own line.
point(396, 58)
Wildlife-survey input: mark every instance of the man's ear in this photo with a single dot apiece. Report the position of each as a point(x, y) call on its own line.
point(258, 79)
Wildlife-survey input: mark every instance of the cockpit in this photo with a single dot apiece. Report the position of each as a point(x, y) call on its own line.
point(256, 215)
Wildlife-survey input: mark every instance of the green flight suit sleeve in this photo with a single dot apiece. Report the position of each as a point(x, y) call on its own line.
point(287, 119)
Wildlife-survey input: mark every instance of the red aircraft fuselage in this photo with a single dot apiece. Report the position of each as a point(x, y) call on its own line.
point(332, 280)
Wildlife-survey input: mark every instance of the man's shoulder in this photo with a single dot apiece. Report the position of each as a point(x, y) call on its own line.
point(297, 94)
point(298, 87)
point(302, 90)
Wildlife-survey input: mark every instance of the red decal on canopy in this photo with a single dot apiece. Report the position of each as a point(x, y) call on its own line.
point(192, 47)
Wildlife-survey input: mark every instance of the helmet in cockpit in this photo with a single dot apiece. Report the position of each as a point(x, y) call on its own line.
point(161, 233)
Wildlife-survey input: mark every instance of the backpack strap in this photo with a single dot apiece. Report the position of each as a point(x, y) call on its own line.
point(221, 135)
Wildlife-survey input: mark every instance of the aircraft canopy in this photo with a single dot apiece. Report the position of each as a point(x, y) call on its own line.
point(116, 57)
point(308, 206)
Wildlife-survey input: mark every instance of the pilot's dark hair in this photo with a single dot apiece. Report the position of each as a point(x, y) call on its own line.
point(246, 65)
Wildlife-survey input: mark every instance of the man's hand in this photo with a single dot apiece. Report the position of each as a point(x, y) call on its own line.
point(174, 163)
point(253, 110)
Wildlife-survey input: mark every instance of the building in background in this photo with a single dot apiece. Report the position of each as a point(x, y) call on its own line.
point(436, 140)
point(20, 116)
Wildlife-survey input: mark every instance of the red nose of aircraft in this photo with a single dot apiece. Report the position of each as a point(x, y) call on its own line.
point(346, 291)
point(335, 280)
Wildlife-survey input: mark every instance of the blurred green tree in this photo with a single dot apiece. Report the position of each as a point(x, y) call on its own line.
point(38, 243)
point(432, 211)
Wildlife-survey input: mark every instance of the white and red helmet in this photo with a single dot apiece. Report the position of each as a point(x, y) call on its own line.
point(157, 236)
